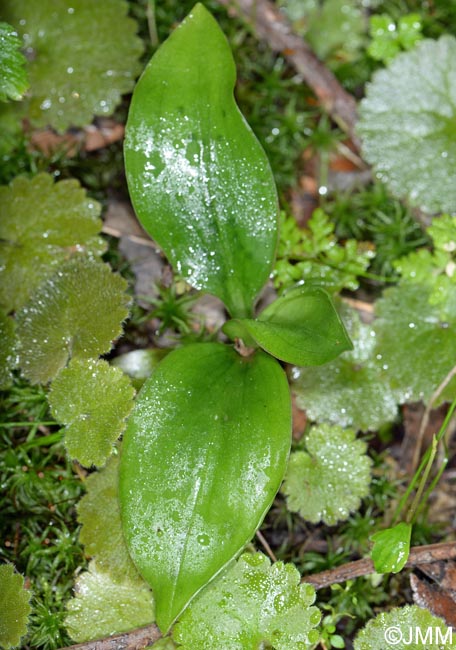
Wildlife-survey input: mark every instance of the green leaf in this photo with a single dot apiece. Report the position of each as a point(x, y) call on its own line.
point(353, 390)
point(139, 364)
point(203, 456)
point(13, 76)
point(314, 256)
point(327, 481)
point(391, 548)
point(78, 312)
point(251, 605)
point(103, 606)
point(408, 125)
point(405, 627)
point(42, 224)
point(199, 180)
point(92, 399)
point(85, 56)
point(301, 327)
point(14, 607)
point(101, 532)
point(336, 29)
point(416, 346)
point(7, 350)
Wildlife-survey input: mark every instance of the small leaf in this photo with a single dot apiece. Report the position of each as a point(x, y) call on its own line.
point(14, 607)
point(92, 399)
point(7, 350)
point(139, 364)
point(391, 548)
point(13, 76)
point(327, 481)
point(86, 72)
point(353, 390)
point(78, 312)
point(42, 224)
point(103, 606)
point(202, 458)
point(101, 532)
point(199, 180)
point(251, 605)
point(301, 327)
point(405, 627)
point(407, 124)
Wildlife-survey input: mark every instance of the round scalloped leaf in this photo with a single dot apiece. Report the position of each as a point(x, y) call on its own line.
point(408, 124)
point(251, 605)
point(93, 400)
point(405, 628)
point(103, 606)
point(77, 312)
point(7, 350)
point(84, 56)
point(199, 180)
point(42, 224)
point(416, 345)
point(99, 514)
point(328, 481)
point(13, 75)
point(14, 607)
point(350, 391)
point(203, 456)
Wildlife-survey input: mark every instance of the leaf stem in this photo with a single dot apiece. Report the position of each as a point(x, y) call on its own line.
point(402, 503)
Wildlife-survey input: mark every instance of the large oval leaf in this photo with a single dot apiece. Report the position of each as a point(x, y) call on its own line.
point(199, 180)
point(302, 327)
point(203, 456)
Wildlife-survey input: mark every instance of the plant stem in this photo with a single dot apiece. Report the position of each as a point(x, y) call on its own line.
point(423, 464)
point(412, 510)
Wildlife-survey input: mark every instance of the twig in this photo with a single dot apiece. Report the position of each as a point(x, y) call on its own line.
point(134, 640)
point(266, 546)
point(351, 570)
point(271, 25)
point(425, 421)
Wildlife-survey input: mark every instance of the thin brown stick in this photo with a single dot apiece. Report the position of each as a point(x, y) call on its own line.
point(134, 640)
point(424, 422)
point(272, 26)
point(351, 570)
point(266, 546)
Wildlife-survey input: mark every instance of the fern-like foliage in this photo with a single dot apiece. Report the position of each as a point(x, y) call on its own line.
point(314, 255)
point(13, 75)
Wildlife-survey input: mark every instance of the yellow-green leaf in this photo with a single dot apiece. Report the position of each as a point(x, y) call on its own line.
point(92, 399)
point(77, 312)
point(14, 607)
